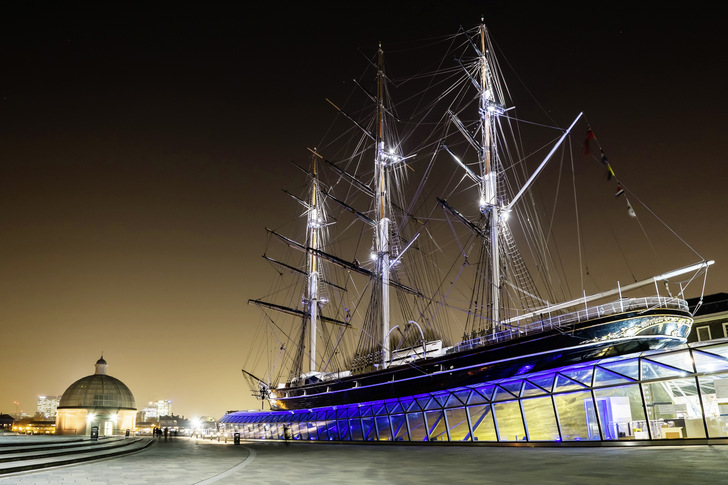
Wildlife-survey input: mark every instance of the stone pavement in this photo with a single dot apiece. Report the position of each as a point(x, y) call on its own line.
point(187, 461)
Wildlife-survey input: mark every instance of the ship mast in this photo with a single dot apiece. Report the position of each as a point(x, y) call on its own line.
point(314, 226)
point(489, 185)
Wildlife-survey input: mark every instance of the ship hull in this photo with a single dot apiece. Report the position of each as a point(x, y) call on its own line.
point(586, 341)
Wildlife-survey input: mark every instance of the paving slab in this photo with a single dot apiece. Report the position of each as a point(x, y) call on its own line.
point(189, 461)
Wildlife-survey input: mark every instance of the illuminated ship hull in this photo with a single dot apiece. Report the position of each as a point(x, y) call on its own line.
point(617, 334)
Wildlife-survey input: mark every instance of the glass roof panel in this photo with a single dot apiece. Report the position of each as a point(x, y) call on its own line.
point(718, 349)
point(530, 389)
point(628, 368)
point(453, 401)
point(709, 363)
point(463, 395)
point(502, 395)
point(394, 407)
point(412, 406)
point(433, 404)
point(680, 359)
point(441, 397)
point(423, 401)
point(563, 383)
point(581, 374)
point(604, 377)
point(545, 381)
point(653, 370)
point(476, 398)
point(486, 391)
point(514, 387)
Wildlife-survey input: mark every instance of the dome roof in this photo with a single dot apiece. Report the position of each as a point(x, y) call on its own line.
point(98, 391)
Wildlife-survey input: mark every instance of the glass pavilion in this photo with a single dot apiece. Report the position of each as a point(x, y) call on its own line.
point(681, 393)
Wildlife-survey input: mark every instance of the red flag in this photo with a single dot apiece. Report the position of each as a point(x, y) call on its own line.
point(620, 191)
point(589, 136)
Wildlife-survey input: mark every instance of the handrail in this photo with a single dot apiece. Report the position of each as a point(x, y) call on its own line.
point(558, 321)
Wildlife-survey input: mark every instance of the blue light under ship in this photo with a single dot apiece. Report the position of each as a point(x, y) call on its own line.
point(441, 226)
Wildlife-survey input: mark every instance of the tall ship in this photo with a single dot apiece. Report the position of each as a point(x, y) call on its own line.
point(424, 253)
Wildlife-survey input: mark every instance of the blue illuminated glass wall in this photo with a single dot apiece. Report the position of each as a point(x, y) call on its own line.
point(655, 395)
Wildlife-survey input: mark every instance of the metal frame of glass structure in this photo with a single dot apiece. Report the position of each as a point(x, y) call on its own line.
point(681, 393)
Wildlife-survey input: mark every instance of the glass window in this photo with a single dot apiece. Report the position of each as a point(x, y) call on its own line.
point(673, 408)
point(322, 430)
point(367, 426)
point(509, 421)
point(355, 429)
point(703, 333)
point(343, 427)
point(714, 392)
point(312, 431)
point(621, 413)
point(383, 431)
point(437, 430)
point(333, 430)
point(399, 427)
point(417, 428)
point(295, 431)
point(540, 419)
point(577, 416)
point(725, 329)
point(457, 422)
point(481, 419)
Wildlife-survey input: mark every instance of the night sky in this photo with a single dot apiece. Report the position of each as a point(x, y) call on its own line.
point(143, 149)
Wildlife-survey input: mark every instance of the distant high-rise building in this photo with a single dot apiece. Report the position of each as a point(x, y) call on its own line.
point(156, 409)
point(47, 406)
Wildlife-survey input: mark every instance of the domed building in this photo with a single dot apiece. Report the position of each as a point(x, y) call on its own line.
point(96, 400)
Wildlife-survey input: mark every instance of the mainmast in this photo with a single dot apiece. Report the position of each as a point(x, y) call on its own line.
point(382, 209)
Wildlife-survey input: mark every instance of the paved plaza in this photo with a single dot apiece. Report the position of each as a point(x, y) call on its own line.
point(187, 461)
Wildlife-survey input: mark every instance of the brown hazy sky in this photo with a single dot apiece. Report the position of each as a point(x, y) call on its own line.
point(142, 150)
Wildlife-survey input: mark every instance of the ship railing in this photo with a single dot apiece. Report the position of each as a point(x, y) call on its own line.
point(545, 321)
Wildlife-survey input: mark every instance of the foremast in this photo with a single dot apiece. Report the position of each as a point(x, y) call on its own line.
point(313, 301)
